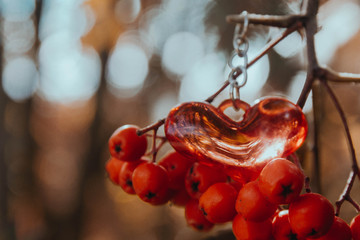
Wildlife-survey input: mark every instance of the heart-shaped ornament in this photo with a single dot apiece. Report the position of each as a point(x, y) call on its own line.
point(273, 127)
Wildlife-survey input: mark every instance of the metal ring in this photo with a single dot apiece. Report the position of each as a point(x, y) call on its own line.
point(233, 56)
point(235, 73)
point(242, 34)
point(242, 48)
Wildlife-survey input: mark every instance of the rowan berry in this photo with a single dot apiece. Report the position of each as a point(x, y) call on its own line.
point(311, 215)
point(126, 145)
point(125, 175)
point(244, 229)
point(150, 182)
point(113, 167)
point(199, 177)
point(281, 181)
point(355, 227)
point(281, 228)
point(218, 202)
point(195, 218)
point(251, 204)
point(180, 197)
point(176, 166)
point(339, 230)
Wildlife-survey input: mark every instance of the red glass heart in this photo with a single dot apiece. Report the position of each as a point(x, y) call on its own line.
point(273, 127)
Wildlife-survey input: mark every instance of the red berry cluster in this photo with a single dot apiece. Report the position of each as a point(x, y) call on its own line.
point(271, 207)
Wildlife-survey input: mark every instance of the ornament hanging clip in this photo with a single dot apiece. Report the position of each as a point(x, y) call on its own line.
point(241, 46)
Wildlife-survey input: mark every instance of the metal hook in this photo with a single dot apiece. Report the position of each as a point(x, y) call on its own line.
point(239, 36)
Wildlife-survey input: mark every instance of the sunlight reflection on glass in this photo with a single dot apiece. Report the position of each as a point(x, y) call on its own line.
point(20, 78)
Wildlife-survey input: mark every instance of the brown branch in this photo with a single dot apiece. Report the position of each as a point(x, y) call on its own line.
point(355, 168)
point(154, 127)
point(341, 112)
point(151, 127)
point(285, 21)
point(345, 196)
point(311, 28)
point(334, 76)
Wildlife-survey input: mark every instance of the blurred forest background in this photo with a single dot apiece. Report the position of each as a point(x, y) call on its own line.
point(72, 71)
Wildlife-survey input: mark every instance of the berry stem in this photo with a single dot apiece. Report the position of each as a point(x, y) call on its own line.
point(154, 127)
point(355, 168)
point(268, 20)
point(341, 112)
point(154, 150)
point(345, 196)
point(151, 127)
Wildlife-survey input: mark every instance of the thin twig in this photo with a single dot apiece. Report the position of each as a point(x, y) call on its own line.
point(155, 148)
point(151, 127)
point(341, 112)
point(311, 28)
point(334, 76)
point(317, 123)
point(345, 196)
point(355, 167)
point(285, 21)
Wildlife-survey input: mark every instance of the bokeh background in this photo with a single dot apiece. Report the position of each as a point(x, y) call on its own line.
point(72, 71)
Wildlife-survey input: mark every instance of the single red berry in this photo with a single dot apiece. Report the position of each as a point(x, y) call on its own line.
point(218, 202)
point(195, 218)
point(199, 177)
point(244, 229)
point(252, 204)
point(150, 182)
point(355, 227)
point(180, 197)
point(311, 215)
point(281, 227)
point(113, 167)
point(125, 175)
point(126, 145)
point(339, 230)
point(176, 166)
point(281, 181)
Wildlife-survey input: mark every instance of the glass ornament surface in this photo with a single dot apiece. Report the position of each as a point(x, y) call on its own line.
point(272, 127)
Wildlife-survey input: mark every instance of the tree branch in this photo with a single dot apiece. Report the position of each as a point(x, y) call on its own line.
point(285, 21)
point(338, 107)
point(334, 76)
point(345, 196)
